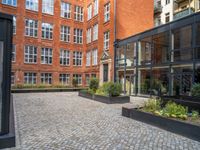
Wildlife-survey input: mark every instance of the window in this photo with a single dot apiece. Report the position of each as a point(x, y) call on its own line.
point(32, 5)
point(96, 7)
point(78, 36)
point(77, 58)
point(198, 4)
point(46, 78)
point(64, 57)
point(89, 12)
point(89, 35)
point(65, 33)
point(14, 24)
point(65, 10)
point(107, 12)
point(48, 6)
point(10, 2)
point(88, 58)
point(95, 57)
point(64, 79)
point(30, 54)
point(30, 78)
point(95, 32)
point(79, 78)
point(167, 17)
point(46, 56)
point(12, 78)
point(47, 31)
point(167, 2)
point(78, 13)
point(87, 79)
point(106, 40)
point(14, 53)
point(31, 28)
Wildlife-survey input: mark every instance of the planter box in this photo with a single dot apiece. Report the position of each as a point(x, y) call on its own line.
point(193, 103)
point(179, 127)
point(105, 99)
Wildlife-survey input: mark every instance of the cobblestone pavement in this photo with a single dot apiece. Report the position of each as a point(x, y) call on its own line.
point(59, 121)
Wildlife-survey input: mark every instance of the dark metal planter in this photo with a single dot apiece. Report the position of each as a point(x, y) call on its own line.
point(105, 99)
point(182, 128)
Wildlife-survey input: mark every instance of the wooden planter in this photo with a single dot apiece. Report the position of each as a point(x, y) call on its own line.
point(179, 127)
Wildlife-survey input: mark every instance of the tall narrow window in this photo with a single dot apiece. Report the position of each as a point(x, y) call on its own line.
point(95, 57)
point(14, 53)
point(167, 17)
point(64, 79)
point(79, 78)
point(10, 2)
point(89, 35)
point(89, 12)
point(78, 13)
point(31, 28)
point(95, 32)
point(96, 7)
point(46, 56)
point(14, 24)
point(46, 78)
point(48, 6)
point(78, 36)
point(64, 57)
point(65, 33)
point(77, 58)
point(30, 78)
point(88, 56)
point(167, 2)
point(30, 54)
point(32, 5)
point(65, 10)
point(106, 40)
point(47, 31)
point(107, 12)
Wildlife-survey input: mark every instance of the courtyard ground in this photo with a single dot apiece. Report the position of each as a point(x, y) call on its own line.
point(59, 121)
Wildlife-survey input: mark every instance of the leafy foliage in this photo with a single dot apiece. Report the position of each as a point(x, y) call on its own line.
point(94, 84)
point(152, 105)
point(75, 82)
point(195, 115)
point(196, 90)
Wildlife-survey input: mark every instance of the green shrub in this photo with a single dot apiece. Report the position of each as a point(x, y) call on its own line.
point(152, 105)
point(94, 84)
point(195, 115)
point(196, 90)
point(75, 82)
point(175, 111)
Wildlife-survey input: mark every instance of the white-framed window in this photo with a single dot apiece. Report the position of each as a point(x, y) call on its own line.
point(64, 57)
point(12, 78)
point(96, 7)
point(10, 2)
point(32, 5)
point(65, 33)
point(87, 79)
point(30, 54)
point(88, 58)
point(30, 78)
point(167, 2)
point(78, 77)
point(31, 28)
point(14, 24)
point(78, 36)
point(107, 12)
point(64, 79)
point(106, 40)
point(13, 53)
point(78, 13)
point(95, 32)
point(89, 12)
point(95, 57)
point(89, 35)
point(46, 78)
point(65, 10)
point(47, 31)
point(77, 58)
point(48, 6)
point(46, 56)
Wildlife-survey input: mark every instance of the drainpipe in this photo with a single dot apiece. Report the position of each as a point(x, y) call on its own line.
point(115, 35)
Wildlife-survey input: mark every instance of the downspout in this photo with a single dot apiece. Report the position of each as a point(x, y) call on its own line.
point(115, 35)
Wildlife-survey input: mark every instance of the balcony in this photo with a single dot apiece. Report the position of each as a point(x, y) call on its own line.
point(157, 8)
point(183, 13)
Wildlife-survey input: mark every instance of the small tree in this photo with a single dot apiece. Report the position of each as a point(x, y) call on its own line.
point(75, 82)
point(94, 84)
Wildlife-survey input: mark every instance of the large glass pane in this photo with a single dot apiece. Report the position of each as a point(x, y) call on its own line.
point(1, 80)
point(120, 57)
point(197, 73)
point(144, 79)
point(161, 48)
point(130, 52)
point(198, 35)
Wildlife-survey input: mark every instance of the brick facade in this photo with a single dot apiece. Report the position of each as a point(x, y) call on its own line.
point(132, 17)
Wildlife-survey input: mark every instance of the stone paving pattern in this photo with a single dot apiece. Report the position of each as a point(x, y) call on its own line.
point(60, 121)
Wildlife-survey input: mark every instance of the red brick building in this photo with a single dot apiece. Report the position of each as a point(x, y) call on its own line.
point(56, 40)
